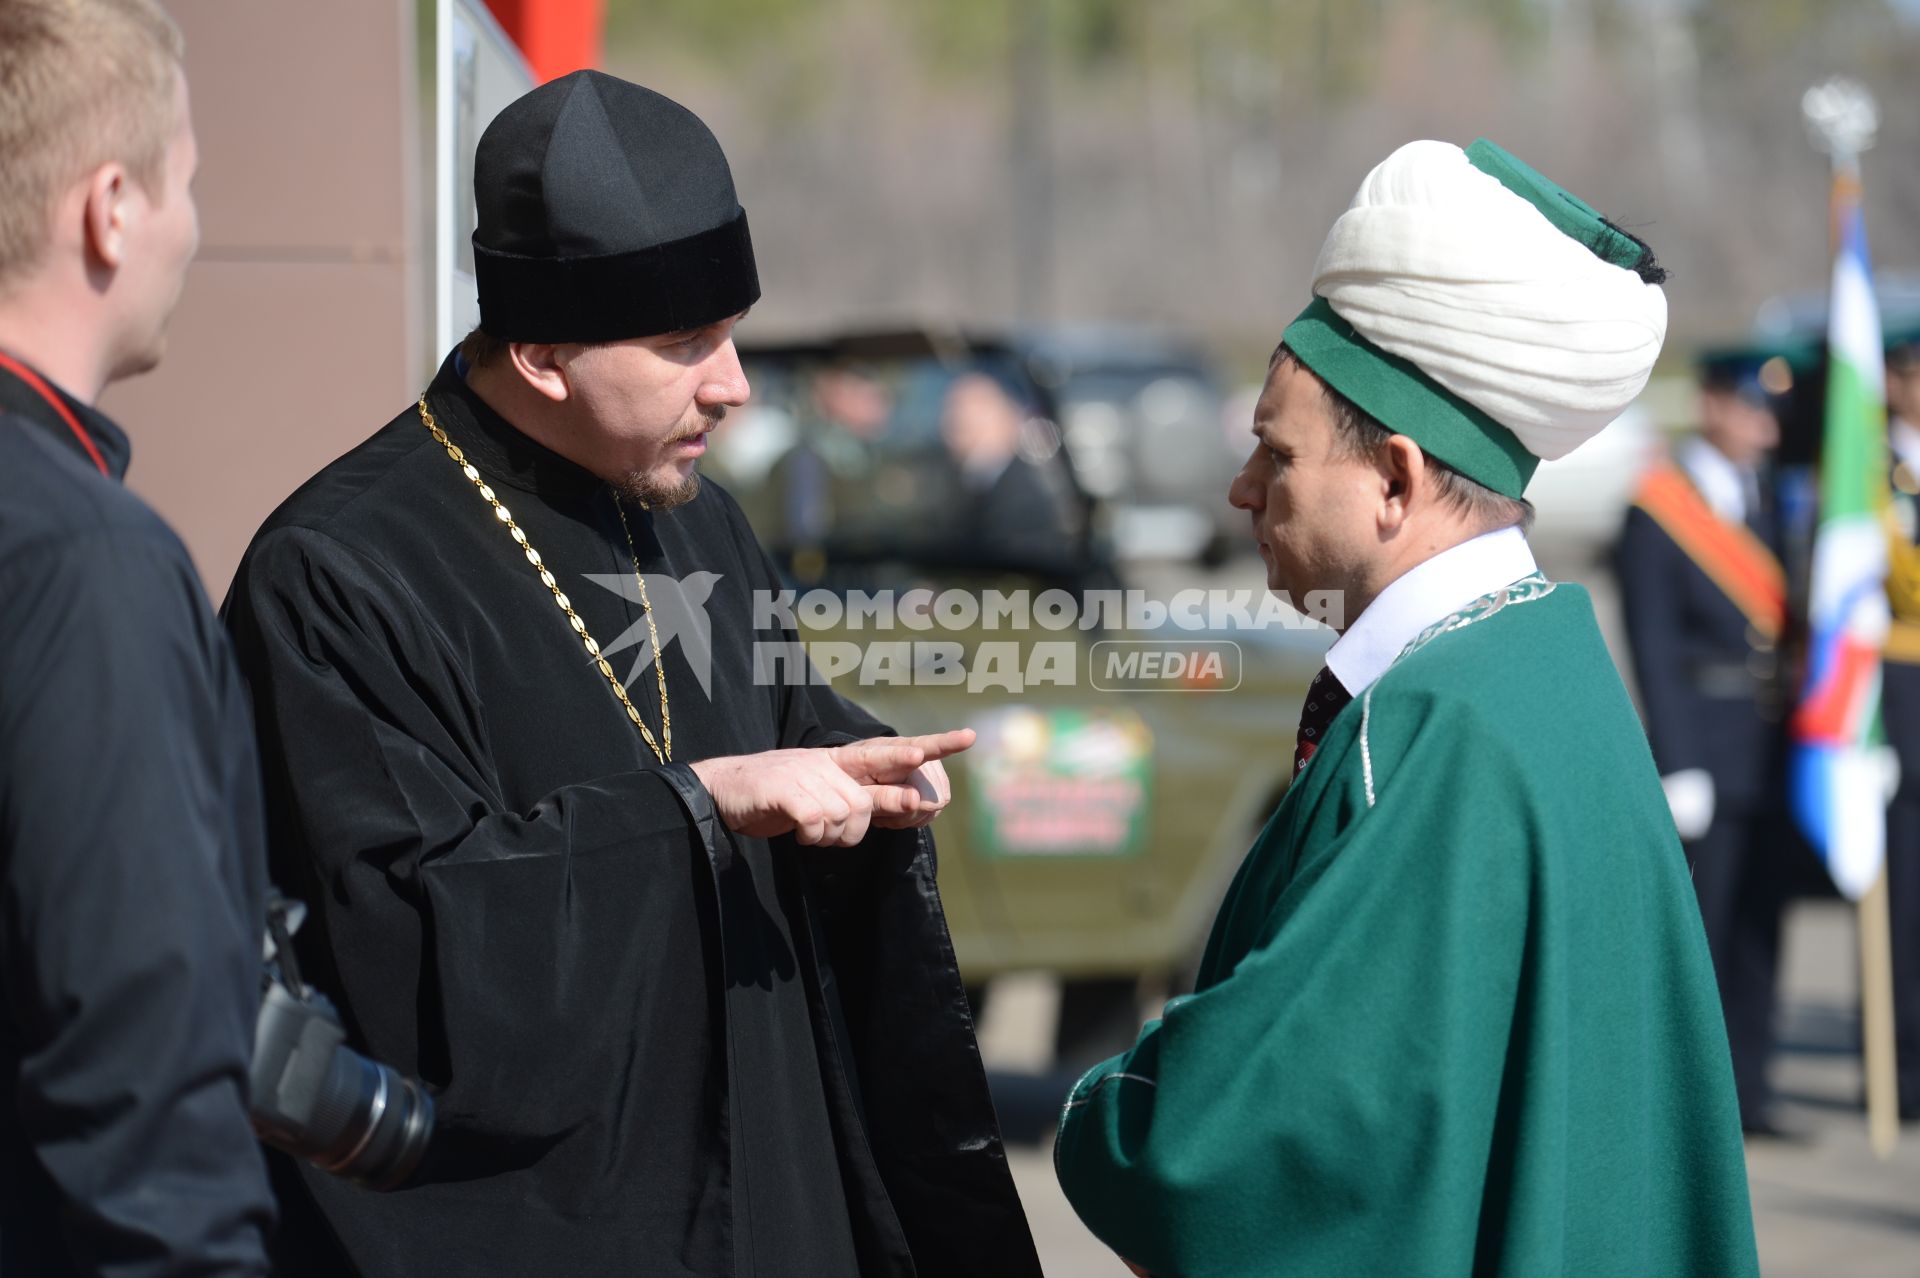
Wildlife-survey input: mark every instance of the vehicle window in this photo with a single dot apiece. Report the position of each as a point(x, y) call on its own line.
point(916, 460)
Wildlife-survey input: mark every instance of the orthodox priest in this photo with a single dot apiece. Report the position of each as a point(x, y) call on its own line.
point(662, 932)
point(1456, 1015)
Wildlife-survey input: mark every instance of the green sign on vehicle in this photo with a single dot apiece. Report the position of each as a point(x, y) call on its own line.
point(1061, 782)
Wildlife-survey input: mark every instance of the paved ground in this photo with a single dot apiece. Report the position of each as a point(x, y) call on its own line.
point(1824, 1209)
point(1829, 1209)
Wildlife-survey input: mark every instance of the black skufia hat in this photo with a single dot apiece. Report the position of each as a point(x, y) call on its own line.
point(606, 212)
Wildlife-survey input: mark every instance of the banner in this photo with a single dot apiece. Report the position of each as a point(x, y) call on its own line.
point(1838, 764)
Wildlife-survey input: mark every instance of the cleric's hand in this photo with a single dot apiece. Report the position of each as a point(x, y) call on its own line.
point(928, 781)
point(830, 797)
point(804, 793)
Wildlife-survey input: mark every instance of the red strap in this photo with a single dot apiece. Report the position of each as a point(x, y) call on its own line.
point(1738, 562)
point(52, 397)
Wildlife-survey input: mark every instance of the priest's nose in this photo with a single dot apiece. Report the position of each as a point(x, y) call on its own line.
point(725, 383)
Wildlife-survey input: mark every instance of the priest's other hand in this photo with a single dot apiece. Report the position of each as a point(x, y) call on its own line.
point(928, 781)
point(831, 797)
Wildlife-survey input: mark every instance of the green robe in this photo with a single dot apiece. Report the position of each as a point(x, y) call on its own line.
point(1456, 1015)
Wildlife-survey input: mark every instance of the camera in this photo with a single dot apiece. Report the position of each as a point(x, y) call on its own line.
point(315, 1097)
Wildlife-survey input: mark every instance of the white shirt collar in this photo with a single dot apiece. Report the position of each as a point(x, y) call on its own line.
point(1723, 484)
point(1426, 593)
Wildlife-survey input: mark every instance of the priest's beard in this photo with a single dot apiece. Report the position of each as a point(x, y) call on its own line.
point(655, 493)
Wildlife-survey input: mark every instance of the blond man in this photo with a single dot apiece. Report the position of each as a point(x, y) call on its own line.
point(131, 861)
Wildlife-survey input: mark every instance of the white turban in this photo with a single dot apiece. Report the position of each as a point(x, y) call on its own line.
point(1439, 263)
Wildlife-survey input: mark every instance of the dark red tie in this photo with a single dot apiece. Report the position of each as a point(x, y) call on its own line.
point(1325, 697)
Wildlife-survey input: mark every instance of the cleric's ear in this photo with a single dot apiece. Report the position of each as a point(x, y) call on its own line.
point(106, 215)
point(1405, 477)
point(541, 366)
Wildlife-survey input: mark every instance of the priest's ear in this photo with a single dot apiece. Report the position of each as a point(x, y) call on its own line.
point(541, 366)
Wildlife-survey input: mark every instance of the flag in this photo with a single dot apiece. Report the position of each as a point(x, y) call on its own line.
point(1838, 765)
point(555, 36)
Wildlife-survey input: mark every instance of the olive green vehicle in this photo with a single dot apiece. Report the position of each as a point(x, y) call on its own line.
point(1121, 770)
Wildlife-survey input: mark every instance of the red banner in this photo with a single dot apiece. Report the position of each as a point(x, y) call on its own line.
point(555, 36)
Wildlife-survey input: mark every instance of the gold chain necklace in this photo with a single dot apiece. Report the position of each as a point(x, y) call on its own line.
point(663, 748)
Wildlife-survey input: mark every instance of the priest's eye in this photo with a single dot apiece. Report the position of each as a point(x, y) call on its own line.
point(683, 341)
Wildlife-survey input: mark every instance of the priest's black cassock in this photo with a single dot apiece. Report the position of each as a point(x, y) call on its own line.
point(658, 1047)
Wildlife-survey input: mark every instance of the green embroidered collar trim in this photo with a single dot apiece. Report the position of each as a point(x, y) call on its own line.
point(1528, 589)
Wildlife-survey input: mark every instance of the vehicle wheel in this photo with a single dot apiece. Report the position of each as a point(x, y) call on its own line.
point(1099, 1016)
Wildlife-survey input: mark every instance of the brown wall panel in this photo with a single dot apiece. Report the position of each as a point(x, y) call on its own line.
point(272, 370)
point(301, 328)
point(298, 107)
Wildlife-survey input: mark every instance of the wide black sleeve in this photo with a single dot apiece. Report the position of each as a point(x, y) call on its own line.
point(1652, 571)
point(131, 924)
point(463, 936)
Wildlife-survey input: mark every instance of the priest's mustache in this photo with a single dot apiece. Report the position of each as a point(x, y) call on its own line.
point(711, 418)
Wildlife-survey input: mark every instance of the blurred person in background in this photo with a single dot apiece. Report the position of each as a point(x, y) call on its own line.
point(1900, 704)
point(1704, 598)
point(131, 845)
point(820, 491)
point(675, 961)
point(1008, 511)
point(823, 481)
point(1456, 1014)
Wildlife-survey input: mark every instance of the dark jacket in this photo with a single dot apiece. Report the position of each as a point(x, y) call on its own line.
point(1709, 681)
point(132, 861)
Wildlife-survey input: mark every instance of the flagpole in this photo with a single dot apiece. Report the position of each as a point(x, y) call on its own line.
point(1876, 1019)
point(1842, 119)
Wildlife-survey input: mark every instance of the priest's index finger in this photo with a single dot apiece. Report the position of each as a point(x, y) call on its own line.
point(940, 745)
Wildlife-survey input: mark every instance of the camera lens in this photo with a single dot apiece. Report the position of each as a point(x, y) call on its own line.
point(314, 1096)
point(369, 1122)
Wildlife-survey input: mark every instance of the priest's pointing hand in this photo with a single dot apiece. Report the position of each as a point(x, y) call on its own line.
point(831, 797)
